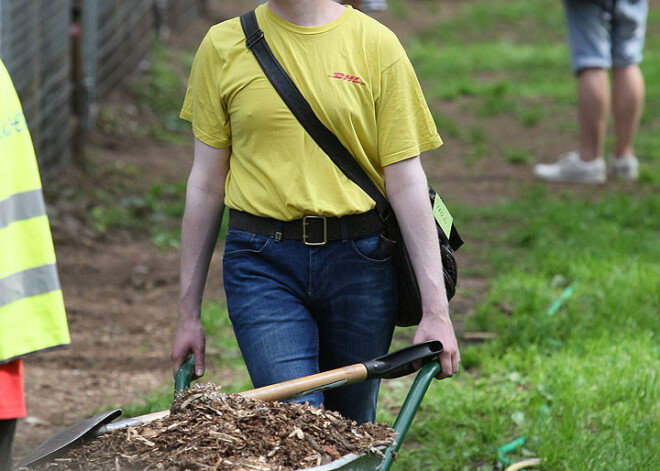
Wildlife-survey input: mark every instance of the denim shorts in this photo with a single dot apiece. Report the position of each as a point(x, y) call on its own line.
point(297, 310)
point(605, 33)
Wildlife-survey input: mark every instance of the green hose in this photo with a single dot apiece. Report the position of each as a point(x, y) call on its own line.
point(512, 446)
point(554, 307)
point(508, 448)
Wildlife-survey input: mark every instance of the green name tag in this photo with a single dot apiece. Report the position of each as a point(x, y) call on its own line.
point(442, 215)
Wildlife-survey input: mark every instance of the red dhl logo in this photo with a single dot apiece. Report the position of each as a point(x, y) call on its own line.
point(349, 78)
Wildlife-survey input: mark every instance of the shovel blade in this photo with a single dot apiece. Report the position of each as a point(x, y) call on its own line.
point(66, 438)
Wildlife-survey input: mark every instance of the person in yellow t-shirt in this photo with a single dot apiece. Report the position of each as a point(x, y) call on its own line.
point(308, 286)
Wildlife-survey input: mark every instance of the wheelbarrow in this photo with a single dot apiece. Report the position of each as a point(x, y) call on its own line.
point(396, 364)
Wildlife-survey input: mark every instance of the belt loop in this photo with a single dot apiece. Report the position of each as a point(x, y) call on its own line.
point(344, 229)
point(278, 231)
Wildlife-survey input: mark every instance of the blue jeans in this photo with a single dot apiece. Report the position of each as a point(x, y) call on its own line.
point(7, 431)
point(298, 310)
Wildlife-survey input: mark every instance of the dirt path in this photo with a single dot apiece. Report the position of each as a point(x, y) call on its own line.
point(121, 291)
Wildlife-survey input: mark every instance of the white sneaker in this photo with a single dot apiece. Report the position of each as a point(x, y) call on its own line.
point(625, 168)
point(570, 168)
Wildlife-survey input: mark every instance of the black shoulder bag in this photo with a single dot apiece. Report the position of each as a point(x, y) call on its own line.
point(410, 302)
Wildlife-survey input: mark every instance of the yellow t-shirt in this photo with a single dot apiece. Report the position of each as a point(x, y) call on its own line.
point(359, 82)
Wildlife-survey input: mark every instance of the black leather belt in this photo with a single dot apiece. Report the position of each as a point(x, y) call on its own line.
point(312, 230)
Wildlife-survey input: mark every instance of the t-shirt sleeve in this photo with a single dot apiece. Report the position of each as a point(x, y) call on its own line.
point(405, 125)
point(203, 105)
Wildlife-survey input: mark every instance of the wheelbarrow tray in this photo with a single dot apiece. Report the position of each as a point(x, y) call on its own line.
point(352, 462)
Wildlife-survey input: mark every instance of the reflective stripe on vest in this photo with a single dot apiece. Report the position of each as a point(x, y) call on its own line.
point(26, 205)
point(39, 280)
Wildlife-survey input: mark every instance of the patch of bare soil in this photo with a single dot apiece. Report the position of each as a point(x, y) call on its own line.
point(210, 430)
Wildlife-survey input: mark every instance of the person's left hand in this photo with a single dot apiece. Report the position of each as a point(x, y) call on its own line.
point(434, 327)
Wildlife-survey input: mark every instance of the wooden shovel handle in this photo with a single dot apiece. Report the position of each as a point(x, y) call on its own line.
point(309, 384)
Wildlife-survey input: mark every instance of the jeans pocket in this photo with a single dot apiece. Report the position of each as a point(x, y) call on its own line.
point(241, 242)
point(371, 249)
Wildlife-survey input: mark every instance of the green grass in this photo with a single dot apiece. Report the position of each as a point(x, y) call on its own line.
point(577, 376)
point(517, 156)
point(161, 91)
point(398, 8)
point(587, 409)
point(472, 69)
point(606, 251)
point(574, 296)
point(159, 211)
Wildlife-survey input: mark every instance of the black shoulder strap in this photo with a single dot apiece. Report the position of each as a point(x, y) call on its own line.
point(326, 140)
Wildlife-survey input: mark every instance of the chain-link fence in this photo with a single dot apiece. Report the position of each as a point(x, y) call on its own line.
point(34, 45)
point(64, 55)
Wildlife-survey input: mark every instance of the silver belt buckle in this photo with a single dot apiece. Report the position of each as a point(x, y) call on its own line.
point(325, 231)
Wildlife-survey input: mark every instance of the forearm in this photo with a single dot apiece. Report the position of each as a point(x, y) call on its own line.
point(199, 233)
point(407, 191)
point(205, 199)
point(410, 201)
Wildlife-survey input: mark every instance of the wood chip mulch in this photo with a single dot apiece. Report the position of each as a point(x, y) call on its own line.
point(209, 430)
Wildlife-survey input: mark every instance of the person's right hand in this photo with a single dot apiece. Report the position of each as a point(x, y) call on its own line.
point(189, 338)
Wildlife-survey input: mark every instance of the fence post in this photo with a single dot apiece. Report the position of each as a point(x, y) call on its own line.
point(90, 14)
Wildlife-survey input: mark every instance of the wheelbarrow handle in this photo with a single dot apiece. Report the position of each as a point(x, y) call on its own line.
point(404, 361)
point(398, 363)
point(184, 374)
point(409, 409)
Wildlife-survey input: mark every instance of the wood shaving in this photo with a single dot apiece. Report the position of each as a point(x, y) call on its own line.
point(210, 430)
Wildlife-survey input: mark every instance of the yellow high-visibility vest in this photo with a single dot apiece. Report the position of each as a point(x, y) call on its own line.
point(32, 315)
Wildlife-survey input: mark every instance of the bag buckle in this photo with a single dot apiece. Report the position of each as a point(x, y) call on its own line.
point(305, 223)
point(255, 37)
point(386, 215)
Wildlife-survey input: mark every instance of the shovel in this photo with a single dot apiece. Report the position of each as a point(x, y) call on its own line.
point(393, 365)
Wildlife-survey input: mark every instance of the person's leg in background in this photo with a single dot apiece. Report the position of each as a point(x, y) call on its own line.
point(628, 33)
point(628, 102)
point(7, 431)
point(593, 111)
point(590, 45)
